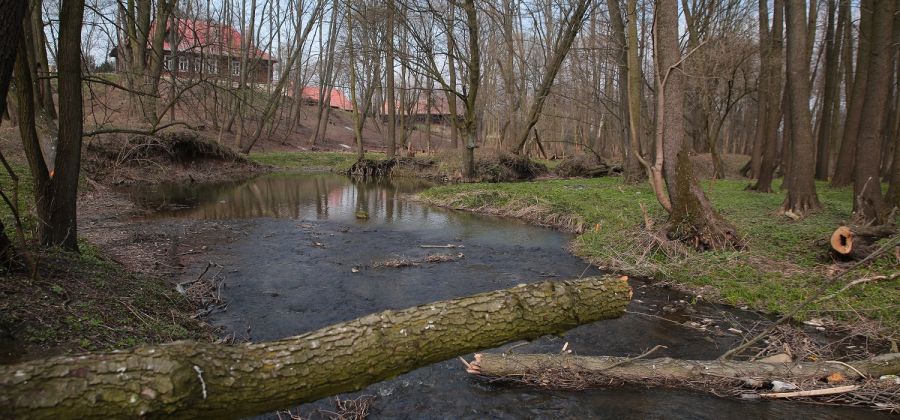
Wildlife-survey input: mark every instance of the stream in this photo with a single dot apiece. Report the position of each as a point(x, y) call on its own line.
point(302, 259)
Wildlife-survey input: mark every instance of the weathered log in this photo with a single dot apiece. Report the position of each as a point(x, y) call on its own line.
point(668, 370)
point(857, 242)
point(191, 379)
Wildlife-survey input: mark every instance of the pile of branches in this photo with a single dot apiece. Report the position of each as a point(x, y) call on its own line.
point(205, 291)
point(372, 168)
point(505, 166)
point(586, 166)
point(403, 262)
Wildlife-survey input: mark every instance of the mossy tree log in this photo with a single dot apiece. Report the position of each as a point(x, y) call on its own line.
point(670, 371)
point(190, 379)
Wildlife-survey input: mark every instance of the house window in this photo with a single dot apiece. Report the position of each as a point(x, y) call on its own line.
point(235, 68)
point(212, 66)
point(198, 66)
point(183, 64)
point(167, 64)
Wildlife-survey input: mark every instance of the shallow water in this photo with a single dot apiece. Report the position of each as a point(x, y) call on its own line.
point(292, 271)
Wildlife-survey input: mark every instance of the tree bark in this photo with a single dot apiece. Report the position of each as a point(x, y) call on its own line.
point(830, 90)
point(389, 76)
point(868, 203)
point(763, 95)
point(692, 218)
point(189, 379)
point(643, 371)
point(474, 82)
point(61, 224)
point(634, 77)
point(774, 110)
point(801, 197)
point(846, 159)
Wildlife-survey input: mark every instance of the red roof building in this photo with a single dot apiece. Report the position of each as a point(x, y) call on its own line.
point(204, 48)
point(335, 98)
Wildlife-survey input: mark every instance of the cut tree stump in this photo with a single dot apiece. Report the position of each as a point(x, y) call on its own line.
point(854, 243)
point(190, 379)
point(598, 370)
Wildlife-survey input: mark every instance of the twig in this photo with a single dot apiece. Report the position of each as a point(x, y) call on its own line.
point(442, 246)
point(893, 242)
point(859, 281)
point(641, 356)
point(812, 392)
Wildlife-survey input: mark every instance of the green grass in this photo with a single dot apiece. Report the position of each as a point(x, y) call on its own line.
point(298, 161)
point(785, 261)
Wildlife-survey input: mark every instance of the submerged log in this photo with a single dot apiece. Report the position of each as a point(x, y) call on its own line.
point(599, 370)
point(857, 242)
point(191, 379)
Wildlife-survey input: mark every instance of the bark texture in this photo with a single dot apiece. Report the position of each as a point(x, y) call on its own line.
point(11, 14)
point(846, 159)
point(692, 218)
point(189, 379)
point(668, 369)
point(772, 66)
point(801, 198)
point(868, 203)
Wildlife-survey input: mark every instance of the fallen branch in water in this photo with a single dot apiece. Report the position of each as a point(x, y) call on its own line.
point(811, 392)
point(190, 379)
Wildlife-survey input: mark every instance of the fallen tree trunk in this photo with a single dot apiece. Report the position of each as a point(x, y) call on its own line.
point(857, 242)
point(190, 379)
point(600, 370)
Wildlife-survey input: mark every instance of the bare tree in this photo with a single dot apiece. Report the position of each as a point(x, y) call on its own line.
point(801, 197)
point(868, 203)
point(692, 218)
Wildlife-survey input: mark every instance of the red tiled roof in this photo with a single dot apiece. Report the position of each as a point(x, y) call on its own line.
point(439, 105)
point(335, 98)
point(210, 38)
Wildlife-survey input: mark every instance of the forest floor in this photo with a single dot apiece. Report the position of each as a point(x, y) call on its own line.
point(785, 261)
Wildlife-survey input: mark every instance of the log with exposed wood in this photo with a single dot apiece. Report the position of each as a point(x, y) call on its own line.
point(599, 370)
point(857, 242)
point(191, 379)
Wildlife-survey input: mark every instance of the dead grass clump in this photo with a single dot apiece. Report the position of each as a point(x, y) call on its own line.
point(400, 262)
point(504, 166)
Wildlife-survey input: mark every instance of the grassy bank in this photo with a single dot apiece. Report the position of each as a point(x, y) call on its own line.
point(785, 261)
point(298, 161)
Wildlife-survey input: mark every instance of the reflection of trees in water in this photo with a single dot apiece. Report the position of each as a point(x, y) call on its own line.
point(309, 196)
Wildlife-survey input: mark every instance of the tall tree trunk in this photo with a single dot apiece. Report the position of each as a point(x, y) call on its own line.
point(389, 75)
point(763, 95)
point(11, 14)
point(801, 197)
point(62, 222)
point(205, 380)
point(774, 110)
point(451, 69)
point(692, 218)
point(846, 160)
point(830, 90)
point(868, 203)
point(634, 78)
point(474, 83)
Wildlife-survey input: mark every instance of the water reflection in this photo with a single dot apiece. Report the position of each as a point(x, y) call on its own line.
point(312, 197)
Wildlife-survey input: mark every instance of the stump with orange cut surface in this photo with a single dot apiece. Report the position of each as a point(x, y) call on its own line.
point(857, 242)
